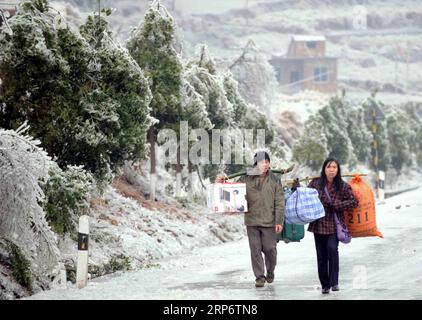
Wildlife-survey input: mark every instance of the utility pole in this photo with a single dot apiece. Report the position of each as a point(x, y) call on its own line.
point(375, 142)
point(247, 12)
point(407, 67)
point(373, 116)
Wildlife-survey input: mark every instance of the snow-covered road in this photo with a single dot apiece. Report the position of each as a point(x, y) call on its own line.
point(370, 268)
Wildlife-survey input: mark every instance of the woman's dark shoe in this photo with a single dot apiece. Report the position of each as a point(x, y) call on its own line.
point(335, 288)
point(325, 290)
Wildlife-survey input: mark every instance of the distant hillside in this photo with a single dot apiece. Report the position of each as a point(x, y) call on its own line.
point(378, 43)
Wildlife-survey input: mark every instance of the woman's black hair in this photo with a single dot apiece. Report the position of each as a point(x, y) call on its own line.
point(338, 181)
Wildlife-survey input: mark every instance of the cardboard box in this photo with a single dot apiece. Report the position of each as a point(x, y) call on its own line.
point(227, 198)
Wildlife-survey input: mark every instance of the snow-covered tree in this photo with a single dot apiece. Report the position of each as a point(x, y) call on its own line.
point(23, 166)
point(359, 134)
point(256, 77)
point(398, 144)
point(194, 111)
point(66, 197)
point(404, 126)
point(85, 98)
point(312, 148)
point(120, 105)
point(231, 87)
point(334, 118)
point(152, 46)
point(381, 136)
point(203, 76)
point(413, 124)
point(419, 147)
point(249, 116)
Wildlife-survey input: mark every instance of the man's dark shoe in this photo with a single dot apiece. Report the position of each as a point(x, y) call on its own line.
point(325, 290)
point(260, 282)
point(270, 277)
point(335, 288)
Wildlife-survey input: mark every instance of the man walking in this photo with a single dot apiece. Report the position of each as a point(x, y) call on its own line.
point(264, 218)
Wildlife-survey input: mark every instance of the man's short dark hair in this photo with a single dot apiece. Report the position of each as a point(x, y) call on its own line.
point(261, 155)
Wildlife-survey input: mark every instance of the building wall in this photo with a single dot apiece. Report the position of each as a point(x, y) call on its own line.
point(310, 82)
point(284, 68)
point(299, 49)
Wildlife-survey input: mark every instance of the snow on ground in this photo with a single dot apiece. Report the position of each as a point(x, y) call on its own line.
point(131, 232)
point(370, 268)
point(304, 103)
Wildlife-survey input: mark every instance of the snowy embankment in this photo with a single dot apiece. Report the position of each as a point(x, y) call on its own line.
point(129, 232)
point(370, 268)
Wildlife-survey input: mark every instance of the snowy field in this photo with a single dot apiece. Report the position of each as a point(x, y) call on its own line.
point(370, 268)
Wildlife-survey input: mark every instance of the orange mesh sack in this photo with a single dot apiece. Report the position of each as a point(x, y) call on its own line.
point(362, 221)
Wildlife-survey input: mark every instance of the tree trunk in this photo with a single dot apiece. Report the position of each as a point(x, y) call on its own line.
point(153, 171)
point(178, 174)
point(191, 187)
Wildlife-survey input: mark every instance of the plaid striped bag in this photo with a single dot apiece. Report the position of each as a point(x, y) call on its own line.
point(291, 232)
point(304, 206)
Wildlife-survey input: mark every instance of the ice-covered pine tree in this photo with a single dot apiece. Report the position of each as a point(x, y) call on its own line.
point(23, 166)
point(311, 149)
point(413, 123)
point(119, 107)
point(194, 111)
point(404, 126)
point(151, 44)
point(202, 74)
point(256, 77)
point(231, 88)
point(358, 132)
point(87, 104)
point(248, 116)
point(335, 120)
point(381, 136)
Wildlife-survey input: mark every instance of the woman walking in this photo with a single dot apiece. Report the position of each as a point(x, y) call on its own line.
point(340, 199)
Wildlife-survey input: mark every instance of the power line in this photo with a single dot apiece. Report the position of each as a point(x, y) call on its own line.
point(306, 79)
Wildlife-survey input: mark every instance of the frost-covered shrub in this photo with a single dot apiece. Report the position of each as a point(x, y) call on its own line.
point(67, 197)
point(20, 266)
point(23, 166)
